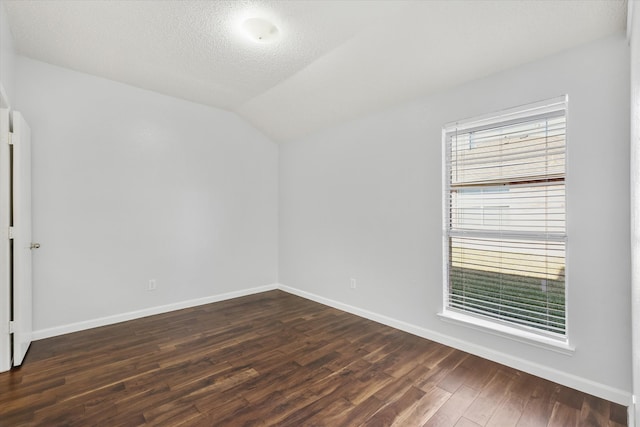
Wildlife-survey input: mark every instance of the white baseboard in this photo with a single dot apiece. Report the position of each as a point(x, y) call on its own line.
point(585, 385)
point(123, 317)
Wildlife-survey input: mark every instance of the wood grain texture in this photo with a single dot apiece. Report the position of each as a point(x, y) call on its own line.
point(276, 359)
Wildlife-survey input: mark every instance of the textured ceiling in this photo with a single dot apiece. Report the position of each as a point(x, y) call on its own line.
point(335, 60)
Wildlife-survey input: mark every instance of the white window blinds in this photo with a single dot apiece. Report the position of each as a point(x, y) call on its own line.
point(505, 217)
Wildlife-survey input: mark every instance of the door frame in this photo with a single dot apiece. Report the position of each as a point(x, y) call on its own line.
point(5, 247)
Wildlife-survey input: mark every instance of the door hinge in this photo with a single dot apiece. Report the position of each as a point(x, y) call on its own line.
point(11, 233)
point(12, 326)
point(10, 141)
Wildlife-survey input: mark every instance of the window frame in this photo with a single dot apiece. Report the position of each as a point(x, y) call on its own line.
point(547, 108)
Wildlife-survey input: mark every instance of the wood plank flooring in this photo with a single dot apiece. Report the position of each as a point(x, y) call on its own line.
point(276, 359)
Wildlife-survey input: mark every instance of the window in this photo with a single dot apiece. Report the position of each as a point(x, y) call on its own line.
point(504, 220)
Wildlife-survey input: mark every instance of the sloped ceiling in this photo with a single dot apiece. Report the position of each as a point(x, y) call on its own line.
point(335, 60)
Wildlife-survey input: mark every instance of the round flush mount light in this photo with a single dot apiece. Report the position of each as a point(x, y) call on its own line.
point(260, 30)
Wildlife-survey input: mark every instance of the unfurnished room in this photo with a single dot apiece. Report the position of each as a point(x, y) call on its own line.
point(320, 213)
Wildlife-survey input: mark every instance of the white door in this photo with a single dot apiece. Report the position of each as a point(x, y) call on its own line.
point(5, 253)
point(22, 245)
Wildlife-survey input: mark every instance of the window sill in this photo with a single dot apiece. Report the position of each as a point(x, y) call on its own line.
point(515, 334)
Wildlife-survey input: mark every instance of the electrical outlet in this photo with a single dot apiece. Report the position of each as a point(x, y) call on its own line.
point(353, 283)
point(151, 286)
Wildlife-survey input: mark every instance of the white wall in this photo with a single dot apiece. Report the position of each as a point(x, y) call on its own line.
point(364, 201)
point(634, 11)
point(7, 56)
point(130, 185)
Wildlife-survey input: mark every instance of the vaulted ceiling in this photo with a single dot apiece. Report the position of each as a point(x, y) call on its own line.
point(333, 60)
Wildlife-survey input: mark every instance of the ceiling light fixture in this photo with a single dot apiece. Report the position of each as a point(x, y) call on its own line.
point(260, 30)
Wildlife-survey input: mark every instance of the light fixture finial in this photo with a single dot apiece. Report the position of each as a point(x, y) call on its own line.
point(260, 30)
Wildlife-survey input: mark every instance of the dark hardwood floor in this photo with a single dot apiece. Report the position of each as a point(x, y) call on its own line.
point(276, 359)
